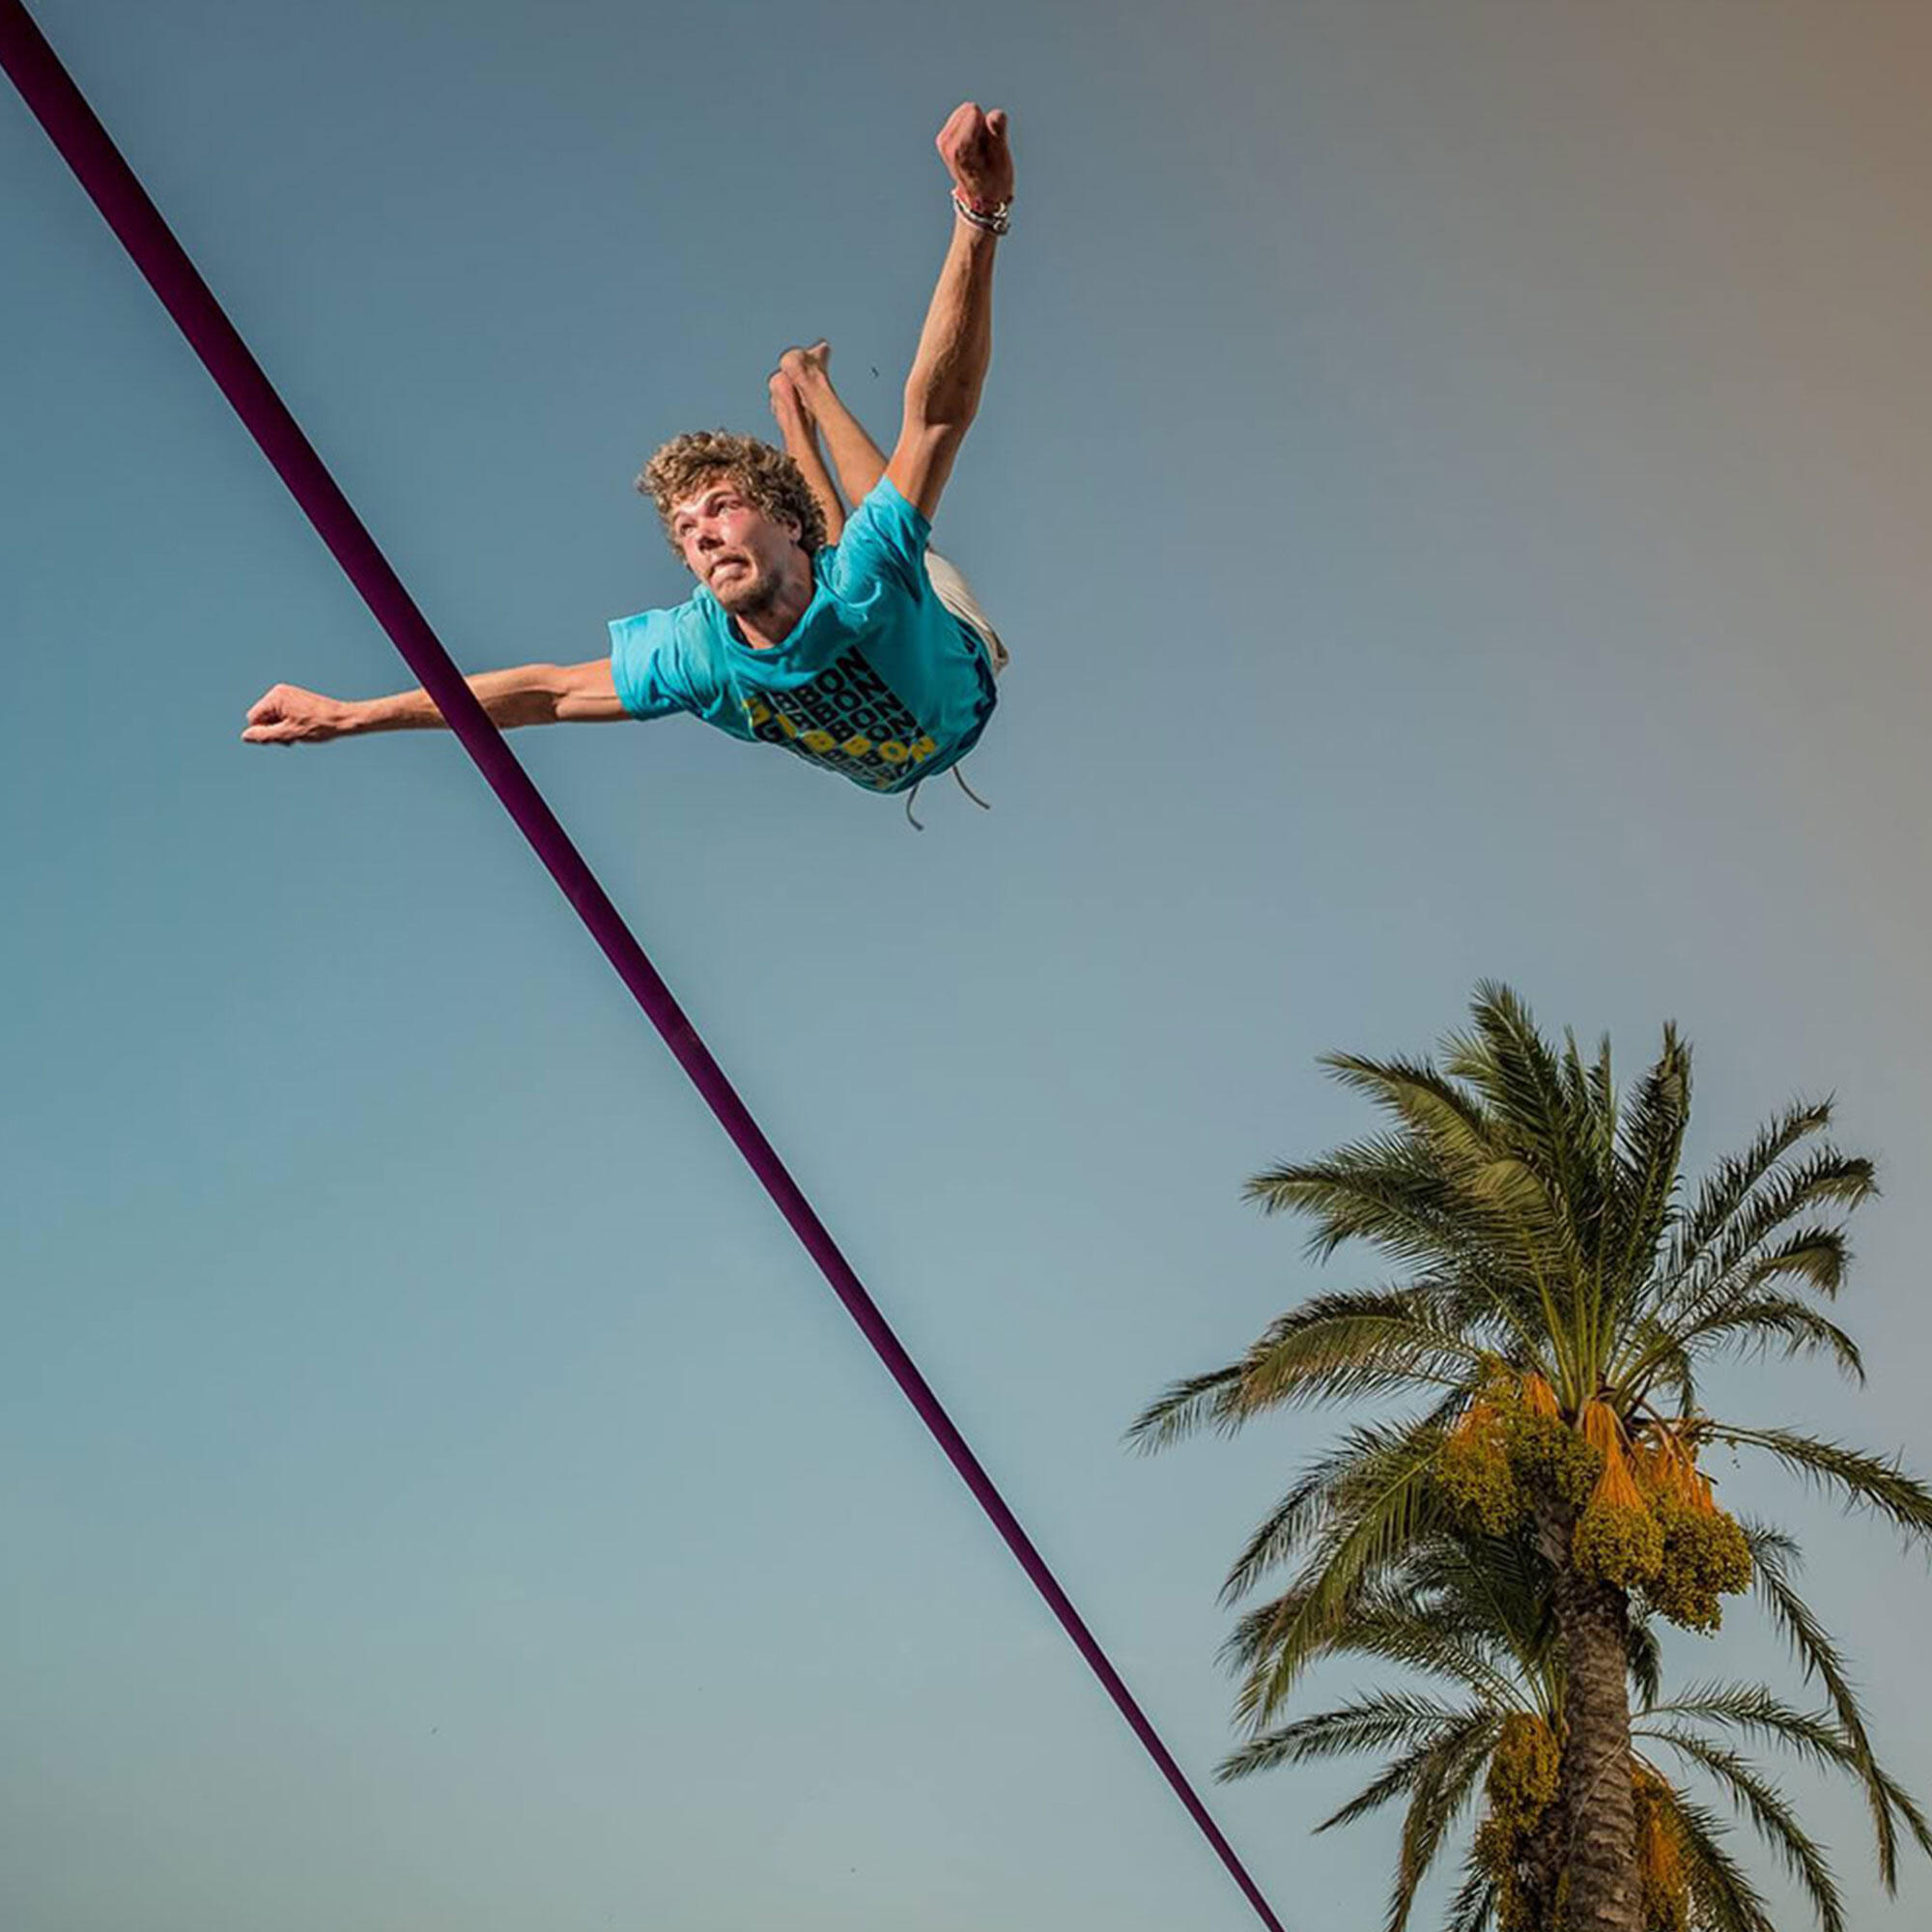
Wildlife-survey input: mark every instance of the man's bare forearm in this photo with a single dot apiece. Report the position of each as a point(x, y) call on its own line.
point(528, 695)
point(956, 346)
point(286, 713)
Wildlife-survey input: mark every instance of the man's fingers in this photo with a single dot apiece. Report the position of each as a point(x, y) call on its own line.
point(273, 704)
point(960, 126)
point(973, 141)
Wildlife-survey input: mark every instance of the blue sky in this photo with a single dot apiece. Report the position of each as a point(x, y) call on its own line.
point(1452, 479)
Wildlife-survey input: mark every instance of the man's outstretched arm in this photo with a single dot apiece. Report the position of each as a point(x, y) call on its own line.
point(942, 393)
point(530, 694)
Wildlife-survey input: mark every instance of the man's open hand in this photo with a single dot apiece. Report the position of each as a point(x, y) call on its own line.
point(974, 147)
point(285, 714)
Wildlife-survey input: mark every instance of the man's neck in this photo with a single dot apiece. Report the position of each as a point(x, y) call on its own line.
point(772, 623)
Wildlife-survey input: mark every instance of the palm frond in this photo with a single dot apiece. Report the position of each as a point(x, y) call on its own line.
point(1647, 1155)
point(1865, 1482)
point(1424, 1642)
point(1714, 1274)
point(1755, 1324)
point(1752, 1710)
point(1816, 1253)
point(1402, 1774)
point(1386, 1190)
point(1733, 1182)
point(1543, 1175)
point(1773, 1818)
point(1185, 1406)
point(1374, 1520)
point(1429, 1106)
point(1339, 1473)
point(1643, 1659)
point(1512, 1066)
point(1474, 1909)
point(1382, 1721)
point(1442, 1794)
point(1722, 1896)
point(1774, 1558)
point(1372, 1342)
point(1334, 1348)
point(1828, 1178)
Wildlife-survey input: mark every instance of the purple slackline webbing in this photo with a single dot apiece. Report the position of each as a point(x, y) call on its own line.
point(84, 144)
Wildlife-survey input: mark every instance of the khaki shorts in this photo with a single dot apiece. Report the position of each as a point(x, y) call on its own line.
point(957, 594)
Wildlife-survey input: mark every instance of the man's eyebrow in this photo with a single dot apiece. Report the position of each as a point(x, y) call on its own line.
point(698, 504)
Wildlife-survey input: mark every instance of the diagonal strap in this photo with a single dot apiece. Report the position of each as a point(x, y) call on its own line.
point(84, 144)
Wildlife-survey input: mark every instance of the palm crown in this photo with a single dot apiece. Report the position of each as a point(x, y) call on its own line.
point(1560, 1293)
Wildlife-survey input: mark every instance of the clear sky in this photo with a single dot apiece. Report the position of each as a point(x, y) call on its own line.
point(1454, 480)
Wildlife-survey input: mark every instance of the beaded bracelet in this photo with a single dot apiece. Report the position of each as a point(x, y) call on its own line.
point(995, 221)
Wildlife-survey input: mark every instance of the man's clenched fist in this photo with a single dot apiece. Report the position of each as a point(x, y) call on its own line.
point(974, 147)
point(285, 714)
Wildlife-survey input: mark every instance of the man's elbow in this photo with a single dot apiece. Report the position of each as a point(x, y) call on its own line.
point(939, 423)
point(586, 693)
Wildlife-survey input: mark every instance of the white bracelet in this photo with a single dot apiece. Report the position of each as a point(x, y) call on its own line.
point(995, 221)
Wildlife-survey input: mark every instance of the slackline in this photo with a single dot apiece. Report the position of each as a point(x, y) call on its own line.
point(86, 147)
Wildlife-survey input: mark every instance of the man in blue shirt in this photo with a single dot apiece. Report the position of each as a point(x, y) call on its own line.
point(839, 638)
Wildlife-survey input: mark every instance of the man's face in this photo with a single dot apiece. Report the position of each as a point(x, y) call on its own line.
point(733, 549)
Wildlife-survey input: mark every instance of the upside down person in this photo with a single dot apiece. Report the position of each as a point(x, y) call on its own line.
point(840, 636)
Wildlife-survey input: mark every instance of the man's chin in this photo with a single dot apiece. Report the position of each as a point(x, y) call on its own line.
point(743, 595)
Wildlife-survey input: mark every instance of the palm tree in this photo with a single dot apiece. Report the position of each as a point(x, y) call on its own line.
point(1560, 1292)
point(1476, 1611)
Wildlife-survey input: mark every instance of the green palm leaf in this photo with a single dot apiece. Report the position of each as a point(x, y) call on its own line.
point(1865, 1482)
point(1442, 1794)
point(1774, 1557)
point(1384, 1720)
point(1402, 1773)
point(1722, 1898)
point(1775, 1820)
point(1474, 1909)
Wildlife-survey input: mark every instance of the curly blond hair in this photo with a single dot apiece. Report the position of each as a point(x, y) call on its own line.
point(768, 476)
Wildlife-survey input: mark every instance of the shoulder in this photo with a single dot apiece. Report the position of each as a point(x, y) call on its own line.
point(661, 659)
point(884, 533)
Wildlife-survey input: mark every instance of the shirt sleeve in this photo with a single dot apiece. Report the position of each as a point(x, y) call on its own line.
point(647, 667)
point(885, 536)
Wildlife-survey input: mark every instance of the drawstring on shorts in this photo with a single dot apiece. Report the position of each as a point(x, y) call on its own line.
point(959, 778)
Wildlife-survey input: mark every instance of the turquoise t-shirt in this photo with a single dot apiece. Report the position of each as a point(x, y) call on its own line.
point(878, 681)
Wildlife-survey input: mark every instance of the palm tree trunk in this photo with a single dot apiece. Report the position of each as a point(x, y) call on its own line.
point(1598, 1885)
point(1541, 1868)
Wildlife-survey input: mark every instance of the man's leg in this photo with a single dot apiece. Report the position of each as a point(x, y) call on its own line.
point(801, 442)
point(861, 463)
point(857, 459)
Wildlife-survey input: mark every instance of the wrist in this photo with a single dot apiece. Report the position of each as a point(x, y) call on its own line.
point(993, 217)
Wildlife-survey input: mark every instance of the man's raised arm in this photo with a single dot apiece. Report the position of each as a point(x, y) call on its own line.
point(530, 695)
point(942, 394)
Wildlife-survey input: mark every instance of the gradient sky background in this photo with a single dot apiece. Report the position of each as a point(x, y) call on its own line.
point(1454, 479)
